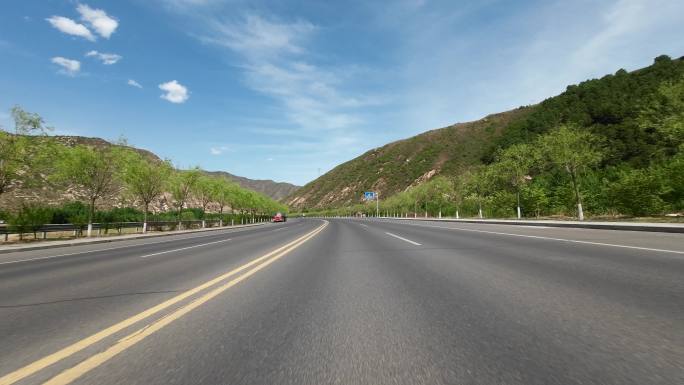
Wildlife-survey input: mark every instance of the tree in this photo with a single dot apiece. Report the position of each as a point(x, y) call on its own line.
point(19, 155)
point(438, 192)
point(31, 218)
point(182, 183)
point(639, 192)
point(92, 172)
point(479, 185)
point(513, 165)
point(203, 190)
point(666, 112)
point(458, 185)
point(145, 179)
point(574, 151)
point(225, 193)
point(536, 197)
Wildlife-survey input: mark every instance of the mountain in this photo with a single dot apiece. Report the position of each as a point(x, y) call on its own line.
point(275, 190)
point(609, 107)
point(398, 165)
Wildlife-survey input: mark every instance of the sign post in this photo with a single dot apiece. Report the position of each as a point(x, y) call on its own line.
point(372, 195)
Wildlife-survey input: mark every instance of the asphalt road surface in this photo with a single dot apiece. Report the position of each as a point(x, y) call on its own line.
point(349, 301)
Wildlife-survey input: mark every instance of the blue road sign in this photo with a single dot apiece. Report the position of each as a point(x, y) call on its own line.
point(369, 195)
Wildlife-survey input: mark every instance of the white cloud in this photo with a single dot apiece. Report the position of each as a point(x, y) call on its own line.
point(256, 36)
point(98, 19)
point(218, 150)
point(175, 92)
point(190, 3)
point(70, 27)
point(69, 67)
point(277, 64)
point(133, 83)
point(105, 58)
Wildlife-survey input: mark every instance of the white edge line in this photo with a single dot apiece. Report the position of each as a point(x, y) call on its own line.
point(554, 239)
point(184, 248)
point(403, 239)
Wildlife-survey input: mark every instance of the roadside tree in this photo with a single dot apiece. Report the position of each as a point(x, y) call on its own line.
point(573, 150)
point(145, 179)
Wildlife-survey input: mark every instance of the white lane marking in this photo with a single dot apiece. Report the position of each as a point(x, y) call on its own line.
point(555, 239)
point(403, 239)
point(364, 225)
point(184, 248)
point(120, 247)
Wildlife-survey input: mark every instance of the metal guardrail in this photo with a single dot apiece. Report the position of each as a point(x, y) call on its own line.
point(100, 228)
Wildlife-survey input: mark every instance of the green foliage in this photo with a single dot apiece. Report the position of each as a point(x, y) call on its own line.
point(570, 149)
point(515, 163)
point(192, 214)
point(664, 112)
point(21, 158)
point(610, 107)
point(204, 189)
point(27, 123)
point(639, 192)
point(536, 199)
point(578, 143)
point(225, 193)
point(68, 211)
point(92, 171)
point(181, 184)
point(30, 218)
point(119, 214)
point(145, 180)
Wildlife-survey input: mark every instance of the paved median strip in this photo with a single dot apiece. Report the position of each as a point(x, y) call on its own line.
point(403, 239)
point(97, 359)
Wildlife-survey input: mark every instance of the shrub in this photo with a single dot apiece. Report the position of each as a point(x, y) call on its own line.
point(30, 218)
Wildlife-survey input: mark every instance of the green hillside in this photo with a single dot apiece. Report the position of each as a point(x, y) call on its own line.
point(613, 109)
point(394, 167)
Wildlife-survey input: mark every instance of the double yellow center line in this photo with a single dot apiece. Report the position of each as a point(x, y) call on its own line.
point(94, 361)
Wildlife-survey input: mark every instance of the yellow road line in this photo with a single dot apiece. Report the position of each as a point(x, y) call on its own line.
point(46, 361)
point(98, 359)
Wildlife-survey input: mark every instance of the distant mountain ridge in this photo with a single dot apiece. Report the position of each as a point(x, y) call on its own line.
point(272, 189)
point(275, 190)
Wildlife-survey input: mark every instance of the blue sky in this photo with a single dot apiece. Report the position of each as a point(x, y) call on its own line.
point(283, 89)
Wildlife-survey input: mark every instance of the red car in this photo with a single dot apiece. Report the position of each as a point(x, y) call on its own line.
point(279, 218)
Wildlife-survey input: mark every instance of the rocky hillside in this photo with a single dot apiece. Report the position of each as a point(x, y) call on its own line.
point(609, 107)
point(275, 190)
point(401, 164)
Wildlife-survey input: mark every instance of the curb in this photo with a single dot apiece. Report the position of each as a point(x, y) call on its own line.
point(118, 239)
point(650, 226)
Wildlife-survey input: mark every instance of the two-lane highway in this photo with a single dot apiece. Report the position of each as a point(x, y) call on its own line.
point(350, 301)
